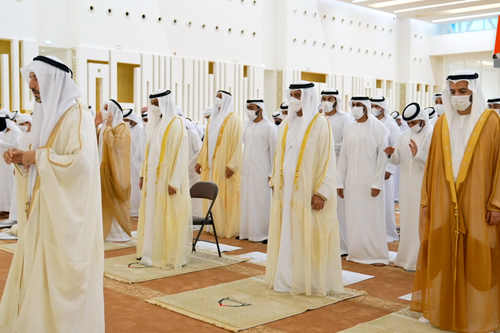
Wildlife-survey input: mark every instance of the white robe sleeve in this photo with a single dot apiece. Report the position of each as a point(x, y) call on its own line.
point(421, 157)
point(342, 166)
point(12, 142)
point(327, 187)
point(378, 181)
point(175, 181)
point(272, 141)
point(395, 157)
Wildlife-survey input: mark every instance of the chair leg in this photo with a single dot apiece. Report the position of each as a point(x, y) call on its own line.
point(198, 236)
point(216, 240)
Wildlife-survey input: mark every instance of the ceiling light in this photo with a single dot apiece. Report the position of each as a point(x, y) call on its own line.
point(392, 3)
point(48, 42)
point(433, 6)
point(465, 17)
point(471, 9)
point(357, 1)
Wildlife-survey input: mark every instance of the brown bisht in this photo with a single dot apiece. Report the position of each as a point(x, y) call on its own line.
point(458, 271)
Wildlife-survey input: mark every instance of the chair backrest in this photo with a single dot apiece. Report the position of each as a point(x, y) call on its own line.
point(204, 190)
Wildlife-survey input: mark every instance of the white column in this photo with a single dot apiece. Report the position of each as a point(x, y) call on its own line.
point(4, 81)
point(16, 88)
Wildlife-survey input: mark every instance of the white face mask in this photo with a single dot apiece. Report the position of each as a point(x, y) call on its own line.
point(252, 115)
point(461, 103)
point(294, 105)
point(327, 107)
point(284, 116)
point(439, 109)
point(218, 102)
point(23, 128)
point(377, 112)
point(416, 128)
point(358, 112)
point(155, 110)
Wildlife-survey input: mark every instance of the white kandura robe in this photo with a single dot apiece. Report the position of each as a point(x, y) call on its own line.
point(55, 280)
point(194, 147)
point(412, 173)
point(390, 209)
point(259, 146)
point(13, 213)
point(10, 139)
point(135, 167)
point(338, 122)
point(360, 169)
point(403, 128)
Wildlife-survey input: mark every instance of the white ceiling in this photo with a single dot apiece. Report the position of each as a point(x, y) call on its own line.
point(435, 11)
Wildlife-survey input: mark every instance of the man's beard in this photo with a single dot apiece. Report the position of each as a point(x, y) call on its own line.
point(38, 99)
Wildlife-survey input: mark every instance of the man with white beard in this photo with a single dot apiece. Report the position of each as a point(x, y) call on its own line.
point(361, 173)
point(381, 111)
point(410, 152)
point(331, 104)
point(136, 133)
point(259, 144)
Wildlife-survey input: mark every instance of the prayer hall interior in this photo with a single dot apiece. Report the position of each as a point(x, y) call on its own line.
point(265, 100)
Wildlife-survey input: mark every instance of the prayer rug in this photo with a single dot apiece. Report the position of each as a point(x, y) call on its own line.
point(108, 246)
point(117, 268)
point(403, 321)
point(244, 304)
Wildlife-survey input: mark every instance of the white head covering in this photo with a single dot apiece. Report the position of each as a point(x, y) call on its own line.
point(178, 111)
point(12, 126)
point(116, 110)
point(167, 108)
point(131, 115)
point(23, 118)
point(334, 93)
point(260, 104)
point(8, 114)
point(58, 92)
point(278, 115)
point(478, 100)
point(298, 125)
point(396, 115)
point(371, 145)
point(431, 112)
point(494, 100)
point(381, 101)
point(216, 119)
point(208, 111)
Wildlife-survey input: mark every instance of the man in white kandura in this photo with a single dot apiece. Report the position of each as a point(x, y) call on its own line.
point(304, 202)
point(410, 152)
point(9, 140)
point(23, 121)
point(438, 104)
point(259, 145)
point(331, 103)
point(164, 231)
point(55, 279)
point(381, 111)
point(361, 173)
point(494, 103)
point(136, 132)
point(114, 151)
point(431, 113)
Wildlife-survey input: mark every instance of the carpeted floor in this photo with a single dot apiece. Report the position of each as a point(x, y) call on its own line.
point(128, 312)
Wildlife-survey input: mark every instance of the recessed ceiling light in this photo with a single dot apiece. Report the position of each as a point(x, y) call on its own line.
point(48, 42)
point(459, 18)
point(433, 6)
point(471, 9)
point(392, 3)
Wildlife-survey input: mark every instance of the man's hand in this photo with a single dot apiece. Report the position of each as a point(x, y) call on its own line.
point(387, 175)
point(197, 168)
point(317, 202)
point(109, 121)
point(375, 192)
point(29, 158)
point(141, 181)
point(389, 150)
point(340, 192)
point(13, 155)
point(413, 147)
point(492, 217)
point(98, 119)
point(171, 190)
point(229, 173)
